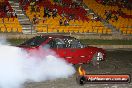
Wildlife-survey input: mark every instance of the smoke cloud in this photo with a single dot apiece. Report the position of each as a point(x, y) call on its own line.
point(17, 66)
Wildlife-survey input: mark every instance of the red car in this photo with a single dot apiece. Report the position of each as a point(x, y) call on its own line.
point(67, 47)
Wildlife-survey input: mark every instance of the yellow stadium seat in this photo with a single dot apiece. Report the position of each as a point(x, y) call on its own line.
point(11, 20)
point(131, 31)
point(95, 31)
point(50, 30)
point(109, 31)
point(81, 30)
point(60, 29)
point(128, 31)
point(100, 31)
point(55, 29)
point(39, 29)
point(3, 29)
point(14, 29)
point(66, 29)
point(90, 30)
point(8, 29)
point(44, 29)
point(75, 29)
point(104, 31)
point(19, 29)
point(1, 21)
point(85, 30)
point(6, 20)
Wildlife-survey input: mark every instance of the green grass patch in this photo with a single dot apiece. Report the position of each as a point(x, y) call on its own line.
point(15, 42)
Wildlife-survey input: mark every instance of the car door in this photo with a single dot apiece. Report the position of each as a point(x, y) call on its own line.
point(57, 46)
point(50, 46)
point(77, 52)
point(72, 52)
point(62, 51)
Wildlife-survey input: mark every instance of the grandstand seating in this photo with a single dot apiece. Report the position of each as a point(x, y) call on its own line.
point(80, 24)
point(83, 22)
point(8, 24)
point(11, 25)
point(124, 23)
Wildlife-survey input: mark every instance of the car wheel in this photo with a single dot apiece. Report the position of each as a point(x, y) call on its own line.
point(97, 57)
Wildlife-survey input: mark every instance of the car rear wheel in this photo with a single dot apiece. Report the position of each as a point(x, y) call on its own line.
point(98, 56)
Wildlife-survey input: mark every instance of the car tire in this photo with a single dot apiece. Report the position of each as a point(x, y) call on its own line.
point(97, 57)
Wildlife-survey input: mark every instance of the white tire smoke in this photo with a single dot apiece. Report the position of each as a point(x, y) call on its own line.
point(18, 67)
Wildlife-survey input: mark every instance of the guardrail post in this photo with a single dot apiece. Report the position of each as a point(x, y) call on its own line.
point(47, 28)
point(31, 28)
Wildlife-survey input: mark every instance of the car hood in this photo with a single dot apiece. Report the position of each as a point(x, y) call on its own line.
point(95, 49)
point(27, 47)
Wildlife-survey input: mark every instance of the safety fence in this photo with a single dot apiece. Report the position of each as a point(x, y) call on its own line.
point(71, 29)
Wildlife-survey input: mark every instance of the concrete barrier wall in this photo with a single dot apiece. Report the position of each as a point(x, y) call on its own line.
point(16, 36)
point(79, 36)
point(113, 46)
point(108, 37)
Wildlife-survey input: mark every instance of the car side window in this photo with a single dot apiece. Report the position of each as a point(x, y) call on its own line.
point(52, 43)
point(72, 43)
point(60, 43)
point(56, 43)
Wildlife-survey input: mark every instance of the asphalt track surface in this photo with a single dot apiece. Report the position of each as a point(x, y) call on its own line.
point(117, 62)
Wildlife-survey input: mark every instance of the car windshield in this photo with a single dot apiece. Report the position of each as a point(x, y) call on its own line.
point(64, 43)
point(36, 41)
point(73, 43)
